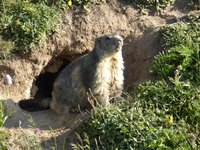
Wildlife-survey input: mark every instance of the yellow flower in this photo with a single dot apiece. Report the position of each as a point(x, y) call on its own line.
point(170, 119)
point(29, 8)
point(70, 3)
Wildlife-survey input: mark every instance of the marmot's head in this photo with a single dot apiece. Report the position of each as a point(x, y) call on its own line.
point(108, 45)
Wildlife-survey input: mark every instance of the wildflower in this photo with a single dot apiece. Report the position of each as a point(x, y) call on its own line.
point(37, 129)
point(53, 148)
point(170, 119)
point(176, 71)
point(179, 67)
point(70, 3)
point(9, 79)
point(29, 8)
point(192, 135)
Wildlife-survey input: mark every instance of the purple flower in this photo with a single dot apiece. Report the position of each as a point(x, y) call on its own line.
point(37, 129)
point(9, 79)
point(193, 135)
point(176, 71)
point(180, 67)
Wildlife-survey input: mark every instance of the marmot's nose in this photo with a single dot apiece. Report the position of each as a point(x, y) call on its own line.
point(120, 40)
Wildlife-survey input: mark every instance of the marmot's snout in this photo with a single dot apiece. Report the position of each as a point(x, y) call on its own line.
point(119, 41)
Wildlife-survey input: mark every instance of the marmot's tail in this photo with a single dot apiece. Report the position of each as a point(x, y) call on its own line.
point(33, 105)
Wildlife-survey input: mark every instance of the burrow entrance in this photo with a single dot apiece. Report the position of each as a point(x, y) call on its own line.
point(43, 85)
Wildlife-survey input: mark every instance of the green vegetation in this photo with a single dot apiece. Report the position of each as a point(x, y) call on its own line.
point(29, 142)
point(158, 4)
point(32, 142)
point(4, 137)
point(139, 125)
point(26, 24)
point(165, 113)
point(6, 49)
point(130, 126)
point(181, 43)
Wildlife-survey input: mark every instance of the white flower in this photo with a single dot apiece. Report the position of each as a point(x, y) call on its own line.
point(9, 79)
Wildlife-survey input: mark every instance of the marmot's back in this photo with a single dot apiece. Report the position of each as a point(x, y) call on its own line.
point(101, 71)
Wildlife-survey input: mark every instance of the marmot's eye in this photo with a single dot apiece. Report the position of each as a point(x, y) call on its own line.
point(108, 38)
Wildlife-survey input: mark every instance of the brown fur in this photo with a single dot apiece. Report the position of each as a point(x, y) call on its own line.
point(101, 71)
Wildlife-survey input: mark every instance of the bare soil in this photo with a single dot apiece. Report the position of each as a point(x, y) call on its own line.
point(33, 73)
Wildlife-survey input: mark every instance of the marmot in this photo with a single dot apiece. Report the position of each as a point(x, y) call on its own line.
point(101, 71)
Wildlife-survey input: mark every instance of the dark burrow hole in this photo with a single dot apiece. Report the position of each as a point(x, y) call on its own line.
point(44, 82)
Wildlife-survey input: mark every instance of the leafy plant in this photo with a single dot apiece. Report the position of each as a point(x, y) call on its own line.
point(130, 126)
point(167, 62)
point(174, 96)
point(64, 4)
point(26, 23)
point(3, 135)
point(181, 44)
point(158, 4)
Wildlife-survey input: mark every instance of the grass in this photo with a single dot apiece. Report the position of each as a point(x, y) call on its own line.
point(27, 24)
point(6, 49)
point(4, 137)
point(159, 5)
point(181, 44)
point(24, 141)
point(27, 142)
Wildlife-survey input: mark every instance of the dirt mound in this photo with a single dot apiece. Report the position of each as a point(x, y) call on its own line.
point(32, 72)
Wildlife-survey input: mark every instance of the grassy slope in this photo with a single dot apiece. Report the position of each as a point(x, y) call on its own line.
point(165, 113)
